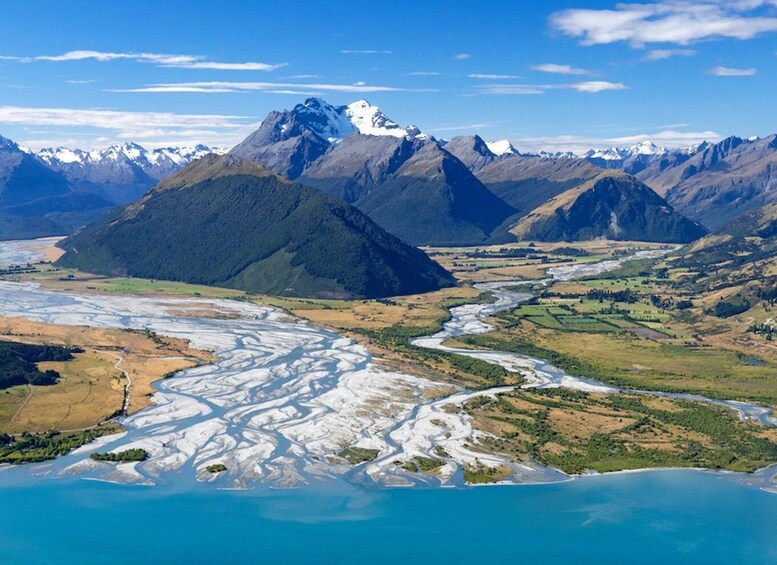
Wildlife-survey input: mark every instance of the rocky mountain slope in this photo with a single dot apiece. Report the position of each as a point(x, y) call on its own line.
point(612, 205)
point(400, 177)
point(721, 181)
point(522, 181)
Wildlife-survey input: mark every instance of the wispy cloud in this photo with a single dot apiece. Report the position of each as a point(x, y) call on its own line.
point(462, 56)
point(365, 52)
point(208, 128)
point(492, 77)
point(159, 59)
point(300, 77)
point(661, 54)
point(596, 86)
point(465, 127)
point(560, 69)
point(424, 74)
point(669, 21)
point(732, 72)
point(591, 86)
point(227, 86)
point(507, 89)
point(82, 81)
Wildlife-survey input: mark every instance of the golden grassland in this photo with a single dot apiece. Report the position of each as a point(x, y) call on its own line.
point(91, 387)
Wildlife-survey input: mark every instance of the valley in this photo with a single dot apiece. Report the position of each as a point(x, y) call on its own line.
point(469, 418)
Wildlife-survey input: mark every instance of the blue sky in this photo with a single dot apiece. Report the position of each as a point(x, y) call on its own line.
point(550, 75)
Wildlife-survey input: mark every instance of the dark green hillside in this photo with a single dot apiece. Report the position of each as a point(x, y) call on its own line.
point(225, 221)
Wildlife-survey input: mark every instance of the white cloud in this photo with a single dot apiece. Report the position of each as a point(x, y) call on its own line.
point(216, 66)
point(141, 126)
point(560, 69)
point(461, 56)
point(159, 59)
point(661, 54)
point(424, 74)
point(365, 52)
point(596, 86)
point(591, 86)
point(732, 72)
point(669, 21)
point(507, 89)
point(226, 86)
point(83, 81)
point(492, 77)
point(465, 128)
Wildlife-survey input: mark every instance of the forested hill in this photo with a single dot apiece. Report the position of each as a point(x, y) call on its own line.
point(228, 222)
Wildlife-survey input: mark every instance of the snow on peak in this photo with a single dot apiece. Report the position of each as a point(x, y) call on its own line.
point(337, 122)
point(611, 154)
point(647, 148)
point(369, 120)
point(557, 155)
point(692, 149)
point(153, 162)
point(8, 145)
point(619, 154)
point(53, 155)
point(330, 122)
point(501, 147)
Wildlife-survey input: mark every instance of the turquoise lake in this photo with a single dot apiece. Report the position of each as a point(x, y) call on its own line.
point(666, 517)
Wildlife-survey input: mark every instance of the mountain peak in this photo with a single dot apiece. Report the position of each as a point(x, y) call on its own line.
point(369, 120)
point(334, 123)
point(647, 147)
point(502, 147)
point(8, 146)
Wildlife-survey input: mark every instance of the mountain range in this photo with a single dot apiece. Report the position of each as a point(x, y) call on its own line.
point(402, 178)
point(56, 190)
point(119, 173)
point(226, 221)
point(426, 191)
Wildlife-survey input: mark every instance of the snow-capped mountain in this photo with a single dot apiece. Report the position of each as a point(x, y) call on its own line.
point(122, 172)
point(645, 159)
point(647, 148)
point(501, 147)
point(157, 163)
point(334, 123)
point(369, 120)
point(8, 146)
point(556, 155)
